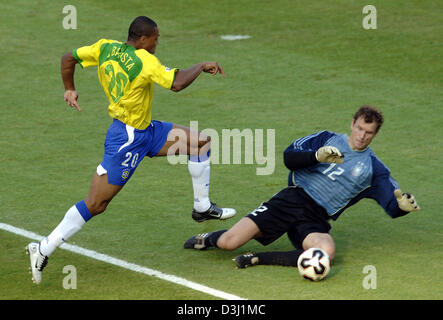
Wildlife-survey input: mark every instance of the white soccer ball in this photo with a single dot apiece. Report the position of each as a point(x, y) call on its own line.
point(314, 264)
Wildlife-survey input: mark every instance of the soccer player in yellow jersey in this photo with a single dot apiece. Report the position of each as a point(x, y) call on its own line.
point(127, 73)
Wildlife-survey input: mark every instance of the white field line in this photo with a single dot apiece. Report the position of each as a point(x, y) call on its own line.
point(124, 264)
point(233, 37)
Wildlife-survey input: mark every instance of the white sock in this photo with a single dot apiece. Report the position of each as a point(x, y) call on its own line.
point(71, 224)
point(200, 173)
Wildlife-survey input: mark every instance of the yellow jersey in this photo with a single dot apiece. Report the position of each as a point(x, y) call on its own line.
point(127, 76)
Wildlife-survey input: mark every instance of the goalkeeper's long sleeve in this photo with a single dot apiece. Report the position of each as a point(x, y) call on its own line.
point(298, 160)
point(301, 153)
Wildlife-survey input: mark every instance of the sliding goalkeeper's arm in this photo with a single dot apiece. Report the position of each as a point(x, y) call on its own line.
point(302, 159)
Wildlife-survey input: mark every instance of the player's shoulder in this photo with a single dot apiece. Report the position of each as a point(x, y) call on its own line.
point(324, 134)
point(313, 141)
point(328, 136)
point(329, 132)
point(104, 41)
point(101, 44)
point(377, 164)
point(146, 56)
point(320, 137)
point(149, 62)
point(97, 44)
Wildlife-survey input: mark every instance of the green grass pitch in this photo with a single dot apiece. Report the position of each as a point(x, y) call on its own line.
point(307, 66)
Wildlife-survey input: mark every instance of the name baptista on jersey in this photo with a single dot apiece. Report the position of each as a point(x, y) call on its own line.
point(123, 57)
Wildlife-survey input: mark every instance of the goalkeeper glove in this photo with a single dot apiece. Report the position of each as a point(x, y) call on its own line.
point(406, 201)
point(329, 154)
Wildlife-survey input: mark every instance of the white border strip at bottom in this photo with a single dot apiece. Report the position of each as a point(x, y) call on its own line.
point(124, 264)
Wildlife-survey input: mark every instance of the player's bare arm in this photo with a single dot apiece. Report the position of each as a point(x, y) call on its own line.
point(67, 70)
point(184, 78)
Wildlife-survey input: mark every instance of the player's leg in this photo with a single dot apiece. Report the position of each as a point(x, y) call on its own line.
point(320, 240)
point(183, 140)
point(306, 229)
point(265, 224)
point(280, 258)
point(100, 194)
point(245, 230)
point(239, 234)
point(271, 258)
point(288, 258)
point(111, 175)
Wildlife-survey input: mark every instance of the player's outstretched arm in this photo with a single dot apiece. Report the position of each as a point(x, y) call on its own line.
point(406, 201)
point(184, 78)
point(67, 69)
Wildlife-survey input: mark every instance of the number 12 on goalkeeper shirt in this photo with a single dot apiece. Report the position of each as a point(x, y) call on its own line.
point(336, 172)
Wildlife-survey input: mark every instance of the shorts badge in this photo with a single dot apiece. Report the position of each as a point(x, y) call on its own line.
point(125, 174)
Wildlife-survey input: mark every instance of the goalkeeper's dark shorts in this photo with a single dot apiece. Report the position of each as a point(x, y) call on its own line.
point(290, 211)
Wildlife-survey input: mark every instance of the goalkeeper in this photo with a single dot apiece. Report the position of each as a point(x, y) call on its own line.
point(329, 172)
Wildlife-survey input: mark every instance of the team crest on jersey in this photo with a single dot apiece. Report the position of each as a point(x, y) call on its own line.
point(358, 169)
point(125, 174)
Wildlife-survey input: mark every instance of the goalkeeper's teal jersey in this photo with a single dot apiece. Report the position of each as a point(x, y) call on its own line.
point(337, 186)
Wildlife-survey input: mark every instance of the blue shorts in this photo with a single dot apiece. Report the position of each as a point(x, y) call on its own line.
point(125, 148)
